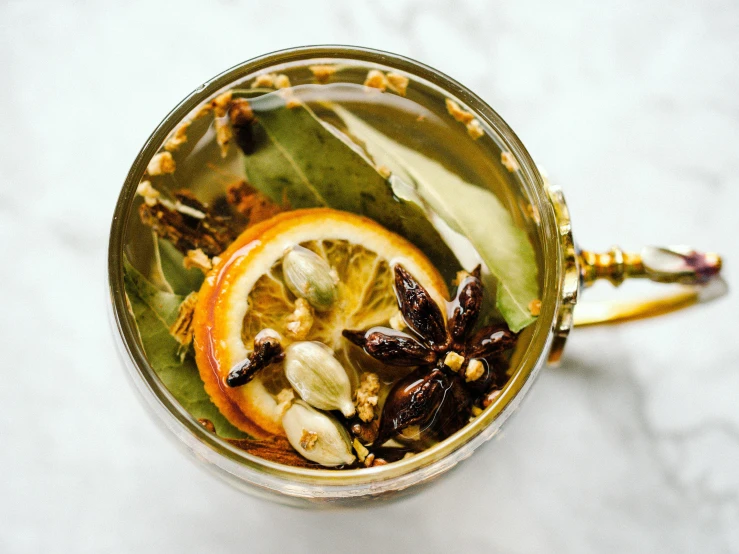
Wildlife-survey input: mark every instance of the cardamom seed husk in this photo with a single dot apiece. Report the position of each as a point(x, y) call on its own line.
point(309, 276)
point(318, 377)
point(317, 436)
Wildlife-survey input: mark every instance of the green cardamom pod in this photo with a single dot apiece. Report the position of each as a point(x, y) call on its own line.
point(317, 436)
point(309, 276)
point(318, 377)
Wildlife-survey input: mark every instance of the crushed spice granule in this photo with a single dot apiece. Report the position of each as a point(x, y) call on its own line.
point(161, 164)
point(384, 171)
point(509, 162)
point(454, 361)
point(197, 258)
point(300, 322)
point(208, 424)
point(397, 83)
point(476, 411)
point(149, 193)
point(475, 370)
point(265, 80)
point(322, 73)
point(368, 460)
point(282, 81)
point(366, 396)
point(178, 138)
point(224, 134)
point(376, 79)
point(308, 439)
point(474, 129)
point(221, 103)
point(463, 116)
point(284, 400)
point(181, 329)
point(360, 449)
point(535, 307)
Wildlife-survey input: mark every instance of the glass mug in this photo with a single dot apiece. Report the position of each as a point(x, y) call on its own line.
point(565, 272)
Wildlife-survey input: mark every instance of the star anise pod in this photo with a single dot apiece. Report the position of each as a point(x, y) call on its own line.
point(453, 362)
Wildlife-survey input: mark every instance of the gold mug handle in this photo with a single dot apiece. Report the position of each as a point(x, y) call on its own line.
point(695, 276)
point(697, 272)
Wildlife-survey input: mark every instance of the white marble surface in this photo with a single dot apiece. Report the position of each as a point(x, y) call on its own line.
point(631, 446)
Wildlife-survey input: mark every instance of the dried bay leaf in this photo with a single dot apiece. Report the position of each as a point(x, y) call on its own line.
point(505, 248)
point(154, 312)
point(297, 158)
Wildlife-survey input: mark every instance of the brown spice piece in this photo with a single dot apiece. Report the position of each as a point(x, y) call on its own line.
point(250, 203)
point(535, 307)
point(181, 329)
point(376, 79)
point(432, 394)
point(178, 138)
point(366, 396)
point(274, 449)
point(509, 162)
point(467, 304)
point(197, 258)
point(474, 129)
point(208, 424)
point(379, 462)
point(308, 439)
point(300, 322)
point(240, 112)
point(397, 83)
point(420, 311)
point(368, 460)
point(188, 225)
point(463, 116)
point(366, 432)
point(391, 347)
point(161, 164)
point(322, 73)
point(267, 349)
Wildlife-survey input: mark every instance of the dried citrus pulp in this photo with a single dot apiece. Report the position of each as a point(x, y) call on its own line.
point(246, 293)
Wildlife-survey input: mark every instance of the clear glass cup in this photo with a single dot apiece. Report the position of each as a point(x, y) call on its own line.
point(564, 272)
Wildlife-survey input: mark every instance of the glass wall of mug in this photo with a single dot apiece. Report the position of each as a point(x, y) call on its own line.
point(523, 192)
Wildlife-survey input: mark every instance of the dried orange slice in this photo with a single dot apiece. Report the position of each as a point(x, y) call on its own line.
point(246, 293)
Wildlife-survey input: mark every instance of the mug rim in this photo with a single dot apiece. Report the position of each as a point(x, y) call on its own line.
point(322, 482)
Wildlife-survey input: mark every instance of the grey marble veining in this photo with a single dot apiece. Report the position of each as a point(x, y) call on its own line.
point(631, 446)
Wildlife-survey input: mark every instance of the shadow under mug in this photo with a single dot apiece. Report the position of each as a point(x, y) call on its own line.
point(565, 270)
